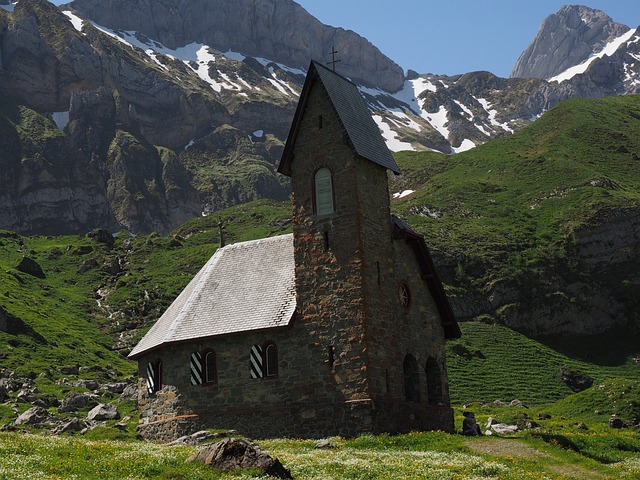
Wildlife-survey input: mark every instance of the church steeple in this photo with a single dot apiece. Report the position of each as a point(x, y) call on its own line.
point(350, 111)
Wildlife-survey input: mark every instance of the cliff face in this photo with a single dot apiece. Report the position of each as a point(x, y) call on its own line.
point(565, 39)
point(279, 30)
point(112, 157)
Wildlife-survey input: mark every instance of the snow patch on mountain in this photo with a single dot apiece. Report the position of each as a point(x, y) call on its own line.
point(403, 194)
point(390, 136)
point(438, 120)
point(608, 50)
point(61, 119)
point(464, 146)
point(492, 115)
point(76, 21)
point(200, 58)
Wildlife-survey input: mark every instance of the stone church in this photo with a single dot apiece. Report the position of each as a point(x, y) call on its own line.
point(336, 329)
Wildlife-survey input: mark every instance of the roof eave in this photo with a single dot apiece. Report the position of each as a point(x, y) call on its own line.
point(157, 347)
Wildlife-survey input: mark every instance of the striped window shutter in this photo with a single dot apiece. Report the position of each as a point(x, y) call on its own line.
point(256, 361)
point(151, 380)
point(196, 368)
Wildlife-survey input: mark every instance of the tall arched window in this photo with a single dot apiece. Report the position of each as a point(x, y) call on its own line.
point(411, 379)
point(210, 367)
point(434, 381)
point(323, 192)
point(204, 370)
point(270, 360)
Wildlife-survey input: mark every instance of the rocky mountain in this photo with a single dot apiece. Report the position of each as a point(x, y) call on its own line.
point(140, 115)
point(566, 39)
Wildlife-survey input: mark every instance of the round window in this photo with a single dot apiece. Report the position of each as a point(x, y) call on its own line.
point(404, 295)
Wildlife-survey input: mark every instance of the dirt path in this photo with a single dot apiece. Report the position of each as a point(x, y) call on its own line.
point(513, 448)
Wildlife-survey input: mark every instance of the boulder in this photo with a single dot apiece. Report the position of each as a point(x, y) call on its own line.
point(232, 454)
point(118, 387)
point(575, 381)
point(500, 428)
point(130, 392)
point(13, 325)
point(30, 267)
point(103, 411)
point(615, 422)
point(29, 396)
point(102, 235)
point(88, 384)
point(74, 401)
point(35, 416)
point(72, 425)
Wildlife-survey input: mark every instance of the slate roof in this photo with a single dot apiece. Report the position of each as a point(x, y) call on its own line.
point(243, 287)
point(351, 109)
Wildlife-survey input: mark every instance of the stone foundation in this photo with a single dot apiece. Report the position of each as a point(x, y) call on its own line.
point(307, 421)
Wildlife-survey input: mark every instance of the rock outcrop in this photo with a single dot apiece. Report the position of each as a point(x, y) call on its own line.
point(235, 454)
point(566, 39)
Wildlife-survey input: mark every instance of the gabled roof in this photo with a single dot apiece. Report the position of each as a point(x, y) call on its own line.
point(243, 287)
point(351, 110)
point(416, 241)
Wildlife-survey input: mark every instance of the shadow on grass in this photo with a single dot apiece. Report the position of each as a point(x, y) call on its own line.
point(609, 349)
point(606, 449)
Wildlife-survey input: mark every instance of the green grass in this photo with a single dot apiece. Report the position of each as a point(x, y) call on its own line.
point(432, 455)
point(492, 362)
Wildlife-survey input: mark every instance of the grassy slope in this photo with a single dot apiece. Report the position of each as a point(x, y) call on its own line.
point(493, 362)
point(514, 203)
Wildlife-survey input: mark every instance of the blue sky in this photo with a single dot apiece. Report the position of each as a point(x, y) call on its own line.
point(453, 36)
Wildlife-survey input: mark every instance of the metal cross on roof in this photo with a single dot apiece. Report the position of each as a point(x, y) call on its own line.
point(333, 56)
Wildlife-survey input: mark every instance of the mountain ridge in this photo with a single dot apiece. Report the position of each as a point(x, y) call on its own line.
point(212, 123)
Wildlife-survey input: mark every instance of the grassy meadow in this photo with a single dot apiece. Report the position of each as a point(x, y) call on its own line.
point(430, 455)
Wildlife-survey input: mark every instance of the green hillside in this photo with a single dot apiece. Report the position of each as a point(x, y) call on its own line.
point(537, 186)
point(514, 211)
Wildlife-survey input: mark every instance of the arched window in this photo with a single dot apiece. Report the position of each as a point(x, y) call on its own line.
point(154, 376)
point(434, 381)
point(203, 368)
point(411, 379)
point(270, 360)
point(210, 367)
point(323, 192)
